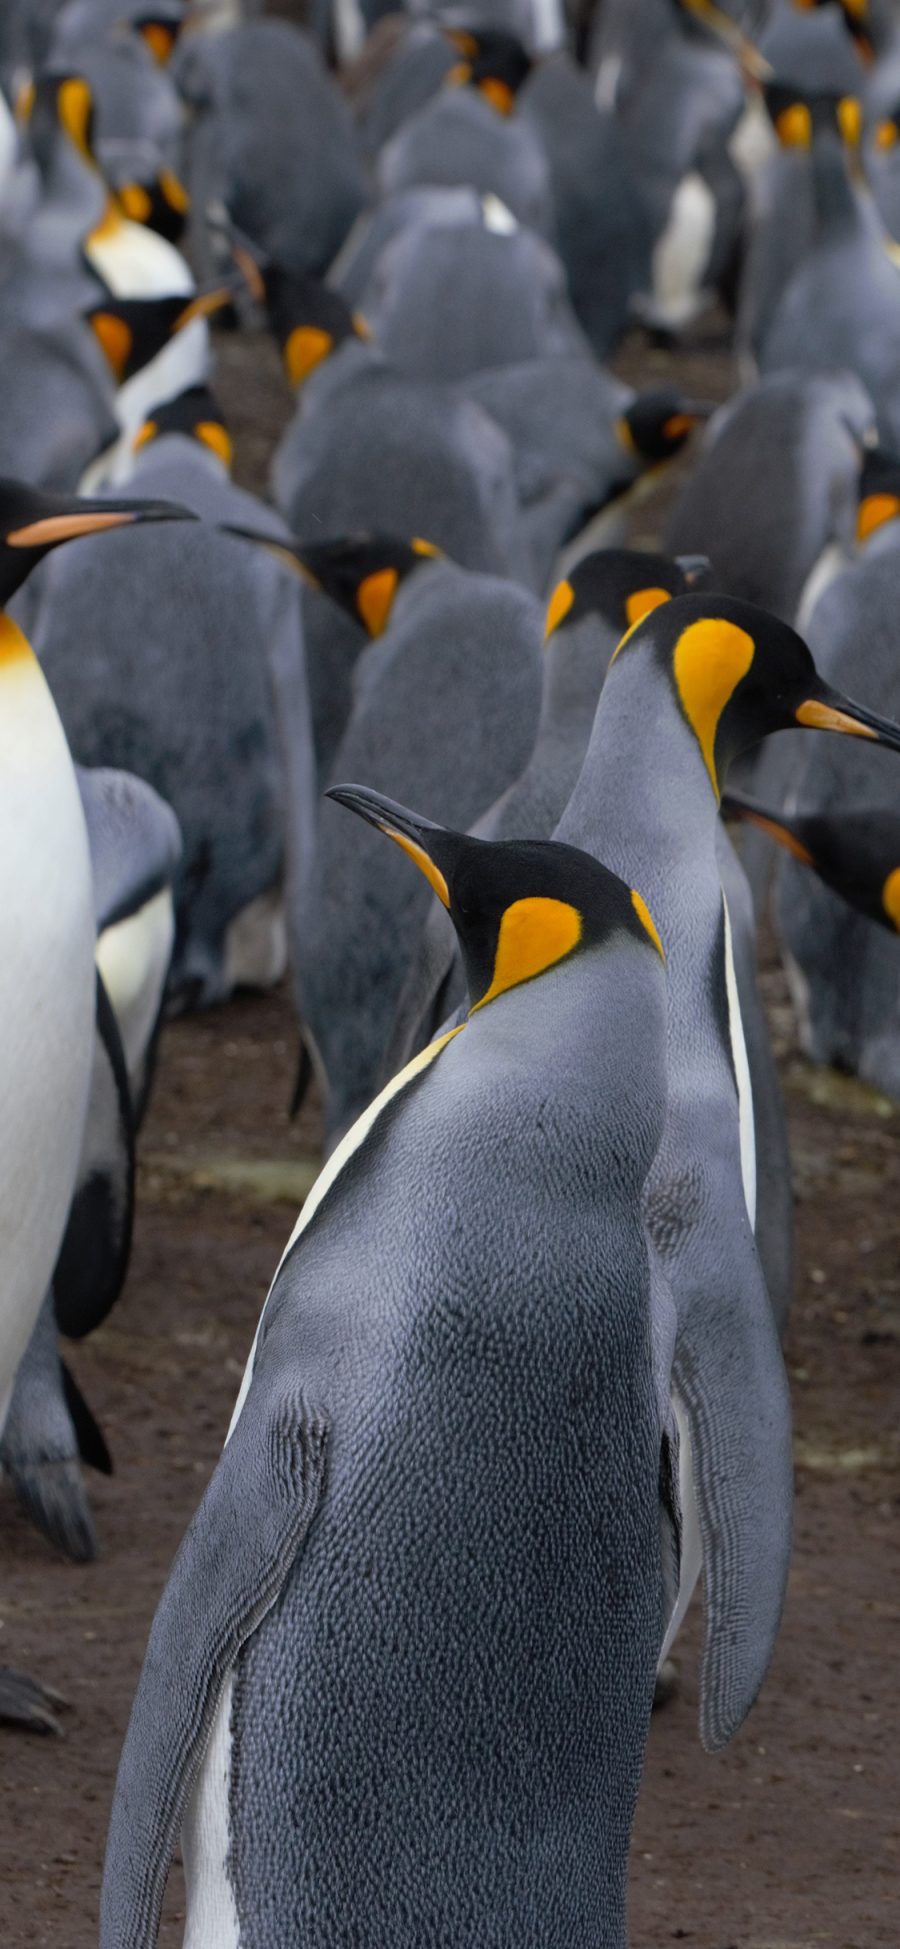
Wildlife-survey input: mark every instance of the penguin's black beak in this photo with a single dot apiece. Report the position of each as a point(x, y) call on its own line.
point(828, 710)
point(409, 830)
point(289, 555)
point(735, 806)
point(696, 569)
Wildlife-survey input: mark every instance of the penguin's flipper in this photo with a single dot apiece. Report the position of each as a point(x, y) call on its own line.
point(89, 1435)
point(732, 1389)
point(302, 1080)
point(93, 1257)
point(39, 1450)
point(134, 838)
point(23, 1702)
point(238, 1551)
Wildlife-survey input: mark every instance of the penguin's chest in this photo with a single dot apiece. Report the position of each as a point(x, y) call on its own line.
point(46, 989)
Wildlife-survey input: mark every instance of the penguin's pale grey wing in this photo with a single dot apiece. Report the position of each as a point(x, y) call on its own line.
point(134, 837)
point(93, 1257)
point(730, 1381)
point(229, 1570)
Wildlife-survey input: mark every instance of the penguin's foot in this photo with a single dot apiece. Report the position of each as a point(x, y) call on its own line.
point(666, 1686)
point(23, 1702)
point(51, 1494)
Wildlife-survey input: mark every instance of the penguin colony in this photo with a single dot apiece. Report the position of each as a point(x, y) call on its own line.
point(422, 731)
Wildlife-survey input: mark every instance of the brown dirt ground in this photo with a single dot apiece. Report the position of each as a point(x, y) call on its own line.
point(789, 1839)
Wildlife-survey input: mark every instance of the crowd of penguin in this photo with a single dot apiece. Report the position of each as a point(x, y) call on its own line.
point(518, 1382)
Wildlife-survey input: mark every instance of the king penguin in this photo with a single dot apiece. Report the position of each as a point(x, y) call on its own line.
point(194, 716)
point(712, 676)
point(445, 699)
point(47, 908)
point(368, 1734)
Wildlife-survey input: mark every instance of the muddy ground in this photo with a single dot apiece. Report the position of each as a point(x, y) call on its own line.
point(789, 1839)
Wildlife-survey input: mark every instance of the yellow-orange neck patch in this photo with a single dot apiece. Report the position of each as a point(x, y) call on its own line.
point(886, 134)
point(115, 337)
point(135, 202)
point(534, 935)
point(873, 512)
point(212, 434)
point(849, 115)
point(304, 349)
point(74, 108)
point(647, 921)
point(890, 897)
point(558, 607)
point(14, 645)
point(793, 127)
point(374, 598)
point(159, 38)
point(711, 657)
point(498, 93)
point(640, 603)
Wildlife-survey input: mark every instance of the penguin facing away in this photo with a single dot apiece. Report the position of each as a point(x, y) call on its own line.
point(713, 676)
point(406, 1813)
point(47, 911)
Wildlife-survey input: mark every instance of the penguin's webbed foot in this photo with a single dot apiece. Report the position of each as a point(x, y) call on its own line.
point(25, 1703)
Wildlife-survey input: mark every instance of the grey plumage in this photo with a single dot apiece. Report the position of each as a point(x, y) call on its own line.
point(171, 682)
point(272, 140)
point(445, 710)
point(542, 1483)
point(458, 138)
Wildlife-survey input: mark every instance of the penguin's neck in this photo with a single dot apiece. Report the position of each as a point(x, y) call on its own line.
point(835, 199)
point(353, 357)
point(644, 803)
point(575, 662)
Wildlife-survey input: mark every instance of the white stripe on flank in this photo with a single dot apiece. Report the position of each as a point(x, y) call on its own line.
point(742, 1072)
point(332, 1169)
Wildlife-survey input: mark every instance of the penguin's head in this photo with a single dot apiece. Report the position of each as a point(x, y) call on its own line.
point(494, 62)
point(621, 585)
point(855, 852)
point(519, 907)
point(879, 492)
point(131, 331)
point(162, 204)
point(60, 103)
point(159, 28)
point(197, 415)
point(32, 522)
point(856, 19)
point(361, 573)
point(657, 423)
point(798, 116)
point(309, 319)
point(739, 674)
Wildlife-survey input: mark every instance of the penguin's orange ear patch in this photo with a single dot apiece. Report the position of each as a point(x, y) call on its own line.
point(534, 935)
point(212, 434)
point(115, 337)
point(558, 607)
point(886, 134)
point(74, 107)
point(374, 598)
point(711, 657)
point(890, 897)
point(873, 512)
point(304, 349)
point(793, 127)
point(160, 38)
point(641, 602)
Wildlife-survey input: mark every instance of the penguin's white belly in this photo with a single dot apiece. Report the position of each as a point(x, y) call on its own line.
point(135, 262)
point(256, 943)
point(682, 253)
point(46, 991)
point(211, 1920)
point(133, 958)
point(183, 362)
